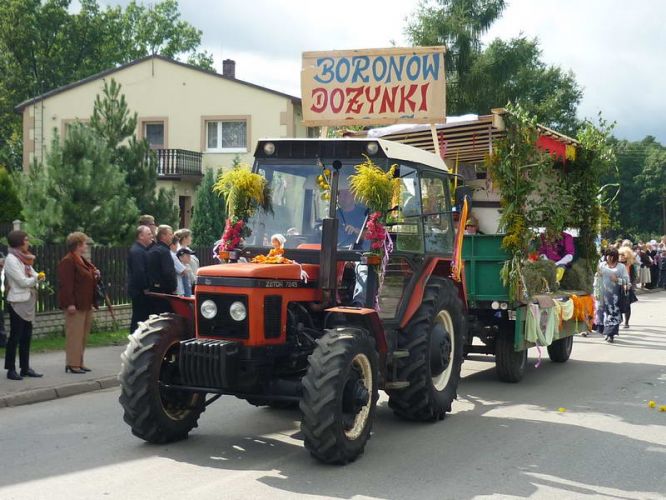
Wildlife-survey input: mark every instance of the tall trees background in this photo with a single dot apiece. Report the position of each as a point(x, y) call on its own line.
point(43, 45)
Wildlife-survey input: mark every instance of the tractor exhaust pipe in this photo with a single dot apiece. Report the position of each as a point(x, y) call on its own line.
point(328, 259)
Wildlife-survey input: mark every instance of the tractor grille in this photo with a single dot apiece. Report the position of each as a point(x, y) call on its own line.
point(222, 325)
point(207, 363)
point(272, 316)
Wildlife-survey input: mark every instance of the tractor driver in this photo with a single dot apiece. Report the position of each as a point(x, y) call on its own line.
point(351, 216)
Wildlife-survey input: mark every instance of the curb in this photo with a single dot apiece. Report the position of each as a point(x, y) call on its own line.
point(63, 391)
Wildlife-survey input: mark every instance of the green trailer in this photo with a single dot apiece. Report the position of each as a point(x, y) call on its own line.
point(497, 322)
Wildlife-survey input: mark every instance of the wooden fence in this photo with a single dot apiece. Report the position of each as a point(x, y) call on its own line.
point(111, 261)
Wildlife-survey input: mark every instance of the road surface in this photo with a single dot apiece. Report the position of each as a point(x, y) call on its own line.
point(502, 440)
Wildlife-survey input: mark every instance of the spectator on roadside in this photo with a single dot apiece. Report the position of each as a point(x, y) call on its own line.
point(149, 220)
point(185, 240)
point(654, 268)
point(3, 334)
point(627, 257)
point(77, 281)
point(185, 256)
point(179, 267)
point(161, 269)
point(137, 276)
point(646, 263)
point(613, 278)
point(21, 300)
point(662, 268)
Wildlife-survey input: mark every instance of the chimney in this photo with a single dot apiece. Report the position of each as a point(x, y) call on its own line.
point(229, 68)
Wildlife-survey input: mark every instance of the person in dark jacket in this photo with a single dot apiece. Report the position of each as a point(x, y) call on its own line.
point(161, 269)
point(137, 276)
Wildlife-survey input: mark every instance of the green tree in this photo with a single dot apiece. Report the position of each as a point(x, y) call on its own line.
point(10, 205)
point(479, 79)
point(653, 183)
point(44, 45)
point(115, 124)
point(80, 189)
point(209, 212)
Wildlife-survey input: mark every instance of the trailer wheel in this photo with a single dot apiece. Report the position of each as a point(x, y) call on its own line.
point(339, 395)
point(434, 339)
point(560, 350)
point(510, 364)
point(156, 414)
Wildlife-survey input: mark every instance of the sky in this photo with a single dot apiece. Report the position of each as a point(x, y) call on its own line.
point(616, 49)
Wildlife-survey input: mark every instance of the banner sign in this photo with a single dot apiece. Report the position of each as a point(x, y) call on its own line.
point(373, 86)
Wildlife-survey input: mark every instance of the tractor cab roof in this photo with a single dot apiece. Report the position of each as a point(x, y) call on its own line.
point(343, 148)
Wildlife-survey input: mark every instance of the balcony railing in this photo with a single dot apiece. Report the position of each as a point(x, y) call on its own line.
point(177, 162)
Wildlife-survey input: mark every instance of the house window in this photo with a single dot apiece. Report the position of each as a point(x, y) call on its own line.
point(154, 134)
point(226, 136)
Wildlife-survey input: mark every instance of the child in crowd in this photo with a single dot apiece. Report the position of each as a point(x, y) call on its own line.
point(184, 255)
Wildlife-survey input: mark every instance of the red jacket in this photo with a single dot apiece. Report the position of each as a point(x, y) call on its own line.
point(76, 283)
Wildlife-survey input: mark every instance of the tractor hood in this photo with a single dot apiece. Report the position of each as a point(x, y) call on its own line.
point(259, 271)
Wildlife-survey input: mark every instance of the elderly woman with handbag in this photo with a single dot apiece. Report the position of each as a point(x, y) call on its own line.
point(21, 280)
point(77, 279)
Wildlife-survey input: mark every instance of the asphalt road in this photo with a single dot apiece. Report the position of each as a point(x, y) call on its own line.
point(502, 440)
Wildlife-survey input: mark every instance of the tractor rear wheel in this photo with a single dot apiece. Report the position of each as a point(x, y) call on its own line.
point(339, 395)
point(509, 363)
point(560, 350)
point(434, 339)
point(157, 414)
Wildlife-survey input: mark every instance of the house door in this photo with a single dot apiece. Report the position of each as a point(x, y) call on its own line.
point(185, 208)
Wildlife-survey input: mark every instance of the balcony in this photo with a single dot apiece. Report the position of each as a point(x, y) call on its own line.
point(177, 164)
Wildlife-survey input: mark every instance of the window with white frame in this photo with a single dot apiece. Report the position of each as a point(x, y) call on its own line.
point(226, 136)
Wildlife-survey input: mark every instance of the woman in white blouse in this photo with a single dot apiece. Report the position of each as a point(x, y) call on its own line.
point(21, 281)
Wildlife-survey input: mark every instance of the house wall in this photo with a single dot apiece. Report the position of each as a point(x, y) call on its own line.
point(156, 88)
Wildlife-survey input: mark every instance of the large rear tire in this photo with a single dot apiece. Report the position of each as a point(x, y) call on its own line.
point(509, 363)
point(560, 350)
point(434, 339)
point(339, 395)
point(156, 414)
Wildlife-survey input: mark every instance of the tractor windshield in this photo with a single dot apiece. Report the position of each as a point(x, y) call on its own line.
point(300, 203)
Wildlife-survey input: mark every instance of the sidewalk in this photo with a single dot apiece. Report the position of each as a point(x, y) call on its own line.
point(103, 361)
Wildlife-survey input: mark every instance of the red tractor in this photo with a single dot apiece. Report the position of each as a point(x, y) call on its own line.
point(314, 333)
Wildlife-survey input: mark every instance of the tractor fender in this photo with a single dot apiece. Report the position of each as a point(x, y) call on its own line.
point(440, 267)
point(184, 307)
point(369, 319)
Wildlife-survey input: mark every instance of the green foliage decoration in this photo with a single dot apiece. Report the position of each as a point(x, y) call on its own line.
point(374, 187)
point(244, 192)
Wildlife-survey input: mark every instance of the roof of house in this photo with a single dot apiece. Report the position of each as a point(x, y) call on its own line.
point(19, 108)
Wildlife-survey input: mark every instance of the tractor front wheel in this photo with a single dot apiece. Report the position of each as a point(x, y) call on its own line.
point(339, 395)
point(155, 413)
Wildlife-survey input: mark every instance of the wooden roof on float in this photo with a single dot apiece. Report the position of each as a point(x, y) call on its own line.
point(465, 139)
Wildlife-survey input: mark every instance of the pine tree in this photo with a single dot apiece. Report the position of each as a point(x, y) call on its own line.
point(80, 189)
point(10, 205)
point(209, 213)
point(114, 122)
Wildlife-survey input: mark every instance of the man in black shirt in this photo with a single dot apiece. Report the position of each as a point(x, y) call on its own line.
point(137, 276)
point(161, 269)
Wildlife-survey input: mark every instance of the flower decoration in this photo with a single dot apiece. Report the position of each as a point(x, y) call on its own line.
point(324, 182)
point(43, 286)
point(377, 190)
point(245, 192)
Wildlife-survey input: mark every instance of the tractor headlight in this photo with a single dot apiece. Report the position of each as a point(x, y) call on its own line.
point(269, 148)
point(208, 309)
point(237, 311)
point(372, 148)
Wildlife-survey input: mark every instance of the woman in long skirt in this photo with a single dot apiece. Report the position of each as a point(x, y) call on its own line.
point(614, 278)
